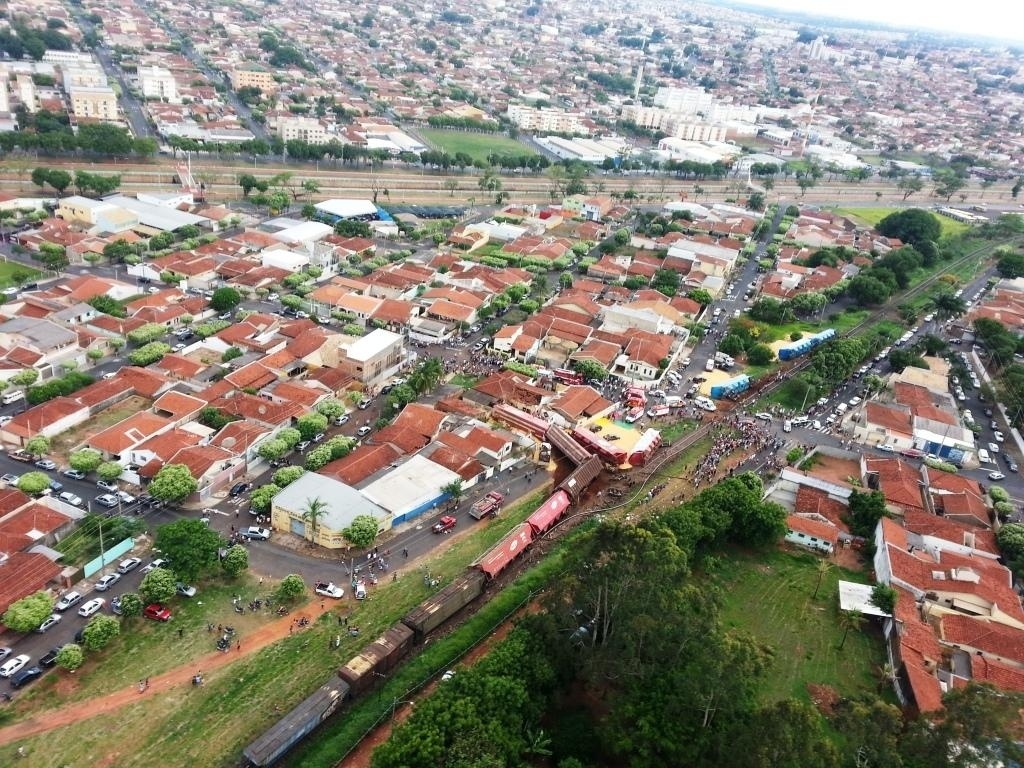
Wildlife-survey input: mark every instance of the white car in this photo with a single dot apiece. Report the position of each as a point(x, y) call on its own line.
point(763, 416)
point(130, 564)
point(51, 621)
point(996, 476)
point(91, 607)
point(14, 665)
point(69, 599)
point(329, 589)
point(886, 448)
point(185, 590)
point(255, 532)
point(158, 563)
point(854, 402)
point(70, 498)
point(993, 448)
point(107, 582)
point(363, 431)
point(999, 436)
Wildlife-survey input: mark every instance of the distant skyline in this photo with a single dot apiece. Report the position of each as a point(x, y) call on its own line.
point(988, 18)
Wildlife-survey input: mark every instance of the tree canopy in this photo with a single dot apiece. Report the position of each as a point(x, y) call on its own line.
point(190, 545)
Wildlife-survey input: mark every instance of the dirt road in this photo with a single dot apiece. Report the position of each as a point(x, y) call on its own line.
point(175, 678)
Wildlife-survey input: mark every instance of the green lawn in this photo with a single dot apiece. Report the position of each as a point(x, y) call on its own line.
point(871, 216)
point(476, 145)
point(9, 268)
point(770, 595)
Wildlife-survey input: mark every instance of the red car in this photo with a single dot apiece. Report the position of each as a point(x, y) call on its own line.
point(445, 524)
point(157, 612)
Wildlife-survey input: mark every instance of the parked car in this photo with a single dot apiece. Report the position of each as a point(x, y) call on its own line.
point(239, 488)
point(302, 446)
point(14, 665)
point(445, 524)
point(156, 612)
point(363, 431)
point(92, 607)
point(763, 416)
point(69, 599)
point(106, 500)
point(125, 498)
point(158, 563)
point(47, 464)
point(25, 677)
point(996, 476)
point(50, 657)
point(343, 419)
point(129, 564)
point(185, 590)
point(318, 437)
point(107, 582)
point(365, 403)
point(115, 605)
point(5, 652)
point(107, 486)
point(74, 474)
point(10, 479)
point(51, 621)
point(257, 533)
point(999, 436)
point(328, 589)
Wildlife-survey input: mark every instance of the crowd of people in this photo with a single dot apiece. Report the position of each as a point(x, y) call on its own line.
point(735, 433)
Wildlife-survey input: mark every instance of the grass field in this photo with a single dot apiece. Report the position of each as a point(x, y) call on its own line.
point(238, 701)
point(9, 268)
point(476, 145)
point(770, 595)
point(871, 216)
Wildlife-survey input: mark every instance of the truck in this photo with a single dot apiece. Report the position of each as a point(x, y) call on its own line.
point(445, 524)
point(488, 505)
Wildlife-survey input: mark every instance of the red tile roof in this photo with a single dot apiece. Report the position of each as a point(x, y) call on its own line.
point(992, 638)
point(362, 463)
point(814, 528)
point(25, 573)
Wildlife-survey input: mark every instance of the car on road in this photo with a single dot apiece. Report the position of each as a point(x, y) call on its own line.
point(129, 564)
point(273, 297)
point(999, 436)
point(318, 437)
point(478, 346)
point(156, 612)
point(46, 464)
point(185, 590)
point(4, 420)
point(50, 657)
point(5, 652)
point(107, 486)
point(160, 562)
point(364, 404)
point(445, 524)
point(106, 500)
point(996, 476)
point(69, 599)
point(92, 607)
point(239, 488)
point(1012, 465)
point(74, 474)
point(341, 420)
point(328, 589)
point(886, 448)
point(69, 498)
point(115, 605)
point(302, 446)
point(10, 479)
point(107, 582)
point(125, 498)
point(14, 665)
point(257, 533)
point(763, 416)
point(993, 448)
point(25, 677)
point(364, 430)
point(178, 347)
point(51, 621)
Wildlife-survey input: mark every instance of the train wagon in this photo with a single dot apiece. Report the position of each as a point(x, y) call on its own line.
point(436, 610)
point(290, 729)
point(645, 447)
point(581, 477)
point(496, 559)
point(603, 448)
point(377, 658)
point(521, 419)
point(570, 448)
point(549, 513)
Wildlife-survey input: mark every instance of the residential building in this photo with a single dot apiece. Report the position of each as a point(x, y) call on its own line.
point(546, 120)
point(99, 102)
point(158, 83)
point(253, 77)
point(307, 129)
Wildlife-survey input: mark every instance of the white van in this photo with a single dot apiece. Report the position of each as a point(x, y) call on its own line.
point(983, 456)
point(710, 365)
point(674, 401)
point(842, 408)
point(12, 397)
point(787, 426)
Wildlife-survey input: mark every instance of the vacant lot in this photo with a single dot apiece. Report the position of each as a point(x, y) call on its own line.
point(871, 216)
point(66, 442)
point(9, 268)
point(771, 595)
point(476, 145)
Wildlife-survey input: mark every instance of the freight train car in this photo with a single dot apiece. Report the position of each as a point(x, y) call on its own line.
point(806, 345)
point(644, 448)
point(497, 559)
point(521, 419)
point(570, 448)
point(290, 729)
point(436, 610)
point(549, 513)
point(603, 448)
point(377, 658)
point(581, 477)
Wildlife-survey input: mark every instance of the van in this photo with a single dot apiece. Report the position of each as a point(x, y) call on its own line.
point(674, 401)
point(360, 593)
point(787, 426)
point(709, 365)
point(842, 408)
point(12, 397)
point(983, 456)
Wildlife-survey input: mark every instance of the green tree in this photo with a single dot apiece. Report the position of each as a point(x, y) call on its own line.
point(908, 185)
point(70, 657)
point(290, 436)
point(287, 475)
point(33, 483)
point(786, 734)
point(1011, 264)
point(236, 561)
point(261, 498)
point(454, 490)
point(158, 586)
point(361, 532)
point(884, 597)
point(148, 353)
point(291, 588)
point(25, 378)
point(37, 446)
point(865, 510)
point(109, 471)
point(822, 569)
point(911, 225)
point(225, 299)
point(330, 408)
point(85, 460)
point(312, 511)
point(173, 483)
point(591, 370)
point(849, 620)
point(273, 449)
point(760, 354)
point(311, 424)
point(701, 296)
point(26, 614)
point(191, 545)
point(131, 604)
point(100, 632)
point(317, 458)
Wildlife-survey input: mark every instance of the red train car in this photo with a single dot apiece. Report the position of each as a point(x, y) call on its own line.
point(549, 513)
point(505, 551)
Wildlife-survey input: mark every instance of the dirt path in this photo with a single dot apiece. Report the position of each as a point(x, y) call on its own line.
point(175, 678)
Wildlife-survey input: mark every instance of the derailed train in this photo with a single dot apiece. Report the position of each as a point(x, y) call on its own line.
point(384, 653)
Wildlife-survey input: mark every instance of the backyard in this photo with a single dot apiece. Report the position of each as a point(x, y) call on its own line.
point(771, 595)
point(8, 269)
point(68, 441)
point(476, 145)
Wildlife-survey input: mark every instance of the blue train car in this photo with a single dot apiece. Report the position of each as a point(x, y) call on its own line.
point(730, 387)
point(803, 346)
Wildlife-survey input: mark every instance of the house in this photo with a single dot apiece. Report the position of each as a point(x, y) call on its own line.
point(643, 356)
point(118, 440)
point(289, 512)
point(580, 403)
point(596, 208)
point(812, 534)
point(373, 358)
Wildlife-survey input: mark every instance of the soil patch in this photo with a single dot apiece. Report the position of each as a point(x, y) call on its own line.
point(825, 698)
